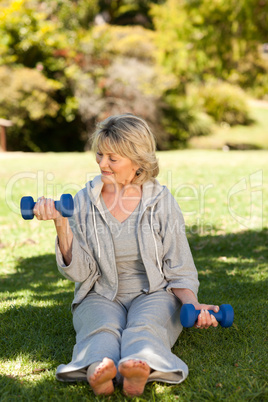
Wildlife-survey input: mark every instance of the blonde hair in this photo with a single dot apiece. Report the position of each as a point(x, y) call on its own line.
point(129, 136)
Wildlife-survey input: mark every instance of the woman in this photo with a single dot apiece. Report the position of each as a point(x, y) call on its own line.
point(126, 250)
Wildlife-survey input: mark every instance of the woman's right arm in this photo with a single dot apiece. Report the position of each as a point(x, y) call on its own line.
point(44, 209)
point(74, 259)
point(65, 236)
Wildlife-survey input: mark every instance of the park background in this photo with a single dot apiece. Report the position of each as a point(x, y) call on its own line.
point(196, 70)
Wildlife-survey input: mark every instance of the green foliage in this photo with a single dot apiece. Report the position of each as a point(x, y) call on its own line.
point(45, 113)
point(183, 120)
point(26, 95)
point(73, 15)
point(202, 38)
point(98, 67)
point(127, 12)
point(27, 35)
point(28, 99)
point(224, 102)
point(173, 32)
point(260, 89)
point(107, 41)
point(121, 63)
point(199, 41)
point(120, 76)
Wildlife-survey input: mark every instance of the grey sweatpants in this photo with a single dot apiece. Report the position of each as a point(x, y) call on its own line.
point(144, 327)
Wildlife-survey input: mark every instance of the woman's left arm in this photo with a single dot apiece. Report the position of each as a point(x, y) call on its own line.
point(205, 320)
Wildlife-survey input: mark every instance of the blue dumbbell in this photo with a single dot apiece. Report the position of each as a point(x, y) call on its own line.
point(189, 315)
point(65, 206)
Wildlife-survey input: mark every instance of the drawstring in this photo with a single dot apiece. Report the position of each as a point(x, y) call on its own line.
point(158, 262)
point(95, 229)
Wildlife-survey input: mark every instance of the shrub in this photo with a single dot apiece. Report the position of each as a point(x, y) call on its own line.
point(224, 102)
point(121, 76)
point(127, 85)
point(260, 89)
point(183, 120)
point(108, 41)
point(27, 98)
point(35, 92)
point(25, 95)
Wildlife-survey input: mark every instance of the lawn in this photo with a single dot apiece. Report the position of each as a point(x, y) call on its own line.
point(223, 197)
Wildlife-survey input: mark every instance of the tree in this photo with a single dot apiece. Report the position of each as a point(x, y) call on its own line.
point(38, 48)
point(201, 38)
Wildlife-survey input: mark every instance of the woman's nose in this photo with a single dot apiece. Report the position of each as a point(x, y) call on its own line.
point(103, 161)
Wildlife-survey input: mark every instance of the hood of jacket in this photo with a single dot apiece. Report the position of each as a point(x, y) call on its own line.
point(152, 191)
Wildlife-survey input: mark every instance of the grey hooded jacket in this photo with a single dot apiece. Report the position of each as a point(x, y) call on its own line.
point(163, 245)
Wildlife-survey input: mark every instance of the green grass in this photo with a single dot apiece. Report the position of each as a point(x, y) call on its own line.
point(254, 136)
point(223, 198)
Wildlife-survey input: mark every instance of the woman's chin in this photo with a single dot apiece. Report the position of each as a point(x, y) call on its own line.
point(107, 179)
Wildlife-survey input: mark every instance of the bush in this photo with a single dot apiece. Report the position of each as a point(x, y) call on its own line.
point(28, 99)
point(260, 89)
point(121, 76)
point(108, 41)
point(25, 95)
point(226, 103)
point(35, 52)
point(127, 85)
point(183, 120)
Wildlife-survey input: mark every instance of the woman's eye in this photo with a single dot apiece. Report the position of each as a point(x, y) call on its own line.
point(101, 155)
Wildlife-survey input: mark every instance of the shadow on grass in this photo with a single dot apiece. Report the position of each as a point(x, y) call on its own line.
point(232, 266)
point(37, 388)
point(38, 278)
point(37, 326)
point(233, 269)
point(37, 322)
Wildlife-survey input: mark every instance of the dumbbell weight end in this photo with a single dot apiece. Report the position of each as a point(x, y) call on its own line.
point(65, 206)
point(26, 208)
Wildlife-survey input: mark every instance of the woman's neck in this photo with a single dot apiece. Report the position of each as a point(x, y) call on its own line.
point(120, 190)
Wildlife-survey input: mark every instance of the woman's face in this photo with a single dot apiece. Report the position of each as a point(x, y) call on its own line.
point(115, 168)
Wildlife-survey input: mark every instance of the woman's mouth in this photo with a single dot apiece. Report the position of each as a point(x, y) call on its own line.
point(106, 173)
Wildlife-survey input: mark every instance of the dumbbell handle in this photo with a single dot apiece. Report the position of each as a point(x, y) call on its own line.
point(217, 315)
point(56, 203)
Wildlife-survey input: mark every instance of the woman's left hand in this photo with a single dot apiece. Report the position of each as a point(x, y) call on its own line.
point(205, 319)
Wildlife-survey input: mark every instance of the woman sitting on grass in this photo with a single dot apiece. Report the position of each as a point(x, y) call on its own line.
point(126, 249)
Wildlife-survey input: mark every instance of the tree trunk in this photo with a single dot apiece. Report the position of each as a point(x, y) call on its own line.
point(3, 141)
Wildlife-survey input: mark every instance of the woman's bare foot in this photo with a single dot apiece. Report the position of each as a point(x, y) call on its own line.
point(101, 380)
point(135, 373)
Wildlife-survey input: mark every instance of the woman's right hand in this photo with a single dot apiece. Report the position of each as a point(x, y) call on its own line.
point(45, 210)
point(205, 319)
